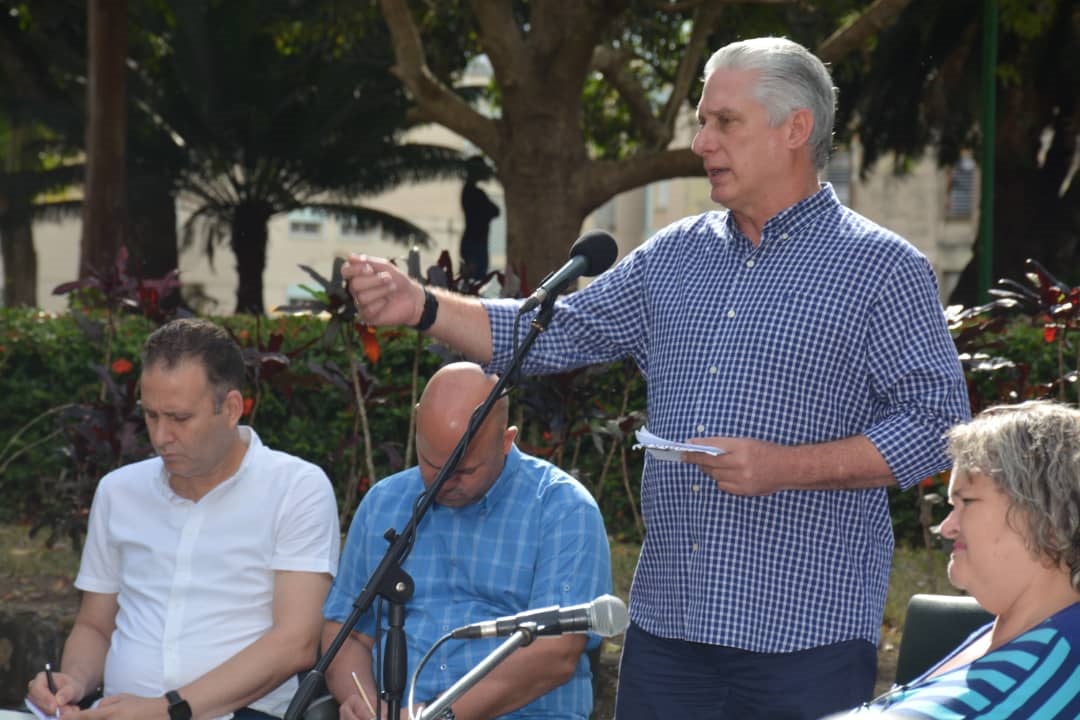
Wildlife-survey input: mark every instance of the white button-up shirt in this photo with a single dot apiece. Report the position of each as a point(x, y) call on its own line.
point(195, 580)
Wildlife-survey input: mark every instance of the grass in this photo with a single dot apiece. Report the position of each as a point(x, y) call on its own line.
point(21, 555)
point(915, 570)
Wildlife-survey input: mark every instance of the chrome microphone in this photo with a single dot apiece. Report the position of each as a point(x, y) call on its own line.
point(605, 616)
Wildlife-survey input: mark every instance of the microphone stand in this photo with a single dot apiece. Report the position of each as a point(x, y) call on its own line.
point(519, 638)
point(389, 579)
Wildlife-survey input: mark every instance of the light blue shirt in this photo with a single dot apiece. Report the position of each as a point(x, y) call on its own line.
point(535, 539)
point(830, 328)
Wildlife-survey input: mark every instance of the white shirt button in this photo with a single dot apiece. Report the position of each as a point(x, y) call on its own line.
point(701, 428)
point(694, 547)
point(695, 488)
point(783, 236)
point(713, 370)
point(731, 313)
point(750, 263)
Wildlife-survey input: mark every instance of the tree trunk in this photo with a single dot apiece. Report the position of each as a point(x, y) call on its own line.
point(16, 232)
point(541, 153)
point(538, 239)
point(103, 231)
point(20, 263)
point(153, 241)
point(248, 241)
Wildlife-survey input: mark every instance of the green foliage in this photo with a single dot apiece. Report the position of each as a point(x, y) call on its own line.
point(47, 362)
point(327, 388)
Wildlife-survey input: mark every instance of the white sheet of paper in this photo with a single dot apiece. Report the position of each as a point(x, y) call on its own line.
point(671, 450)
point(38, 711)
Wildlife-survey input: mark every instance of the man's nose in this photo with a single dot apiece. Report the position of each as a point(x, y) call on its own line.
point(697, 145)
point(160, 433)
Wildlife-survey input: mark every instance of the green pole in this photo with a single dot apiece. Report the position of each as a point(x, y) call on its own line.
point(989, 133)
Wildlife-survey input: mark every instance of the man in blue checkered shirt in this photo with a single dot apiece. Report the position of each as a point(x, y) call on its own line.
point(802, 339)
point(508, 532)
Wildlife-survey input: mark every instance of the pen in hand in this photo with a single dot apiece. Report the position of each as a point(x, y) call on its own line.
point(356, 682)
point(49, 678)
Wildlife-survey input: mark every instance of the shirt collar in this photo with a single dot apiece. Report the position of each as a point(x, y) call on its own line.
point(790, 220)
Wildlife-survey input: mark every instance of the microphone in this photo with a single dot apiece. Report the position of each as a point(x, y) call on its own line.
point(606, 616)
point(591, 254)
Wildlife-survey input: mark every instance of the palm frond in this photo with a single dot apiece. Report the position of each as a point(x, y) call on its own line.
point(365, 218)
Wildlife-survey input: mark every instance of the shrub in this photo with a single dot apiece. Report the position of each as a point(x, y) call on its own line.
point(327, 388)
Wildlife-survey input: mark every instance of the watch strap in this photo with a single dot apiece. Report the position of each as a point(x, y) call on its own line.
point(178, 706)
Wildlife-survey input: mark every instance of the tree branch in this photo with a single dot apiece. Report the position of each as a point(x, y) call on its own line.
point(435, 100)
point(614, 65)
point(871, 21)
point(601, 180)
point(706, 17)
point(501, 37)
point(674, 6)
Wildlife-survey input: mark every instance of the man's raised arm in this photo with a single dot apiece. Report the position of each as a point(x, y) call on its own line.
point(385, 295)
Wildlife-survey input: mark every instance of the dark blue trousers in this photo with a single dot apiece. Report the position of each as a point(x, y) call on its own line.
point(661, 679)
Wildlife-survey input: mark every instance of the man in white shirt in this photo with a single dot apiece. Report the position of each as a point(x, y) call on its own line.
point(205, 568)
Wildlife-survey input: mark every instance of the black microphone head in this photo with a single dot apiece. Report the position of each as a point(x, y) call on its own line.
point(599, 250)
point(607, 613)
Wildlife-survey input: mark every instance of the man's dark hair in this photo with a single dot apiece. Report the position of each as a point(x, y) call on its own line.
point(204, 342)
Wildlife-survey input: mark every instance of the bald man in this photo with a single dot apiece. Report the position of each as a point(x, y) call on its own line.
point(508, 532)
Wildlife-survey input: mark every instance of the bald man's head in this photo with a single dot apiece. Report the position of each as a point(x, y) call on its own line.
point(442, 416)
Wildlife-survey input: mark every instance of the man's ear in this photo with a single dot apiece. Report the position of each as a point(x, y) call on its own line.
point(233, 406)
point(800, 125)
point(508, 438)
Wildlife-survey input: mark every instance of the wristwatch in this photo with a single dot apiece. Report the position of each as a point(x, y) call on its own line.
point(178, 706)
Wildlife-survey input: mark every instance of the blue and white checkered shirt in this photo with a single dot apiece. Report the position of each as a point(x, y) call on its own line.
point(830, 328)
point(535, 539)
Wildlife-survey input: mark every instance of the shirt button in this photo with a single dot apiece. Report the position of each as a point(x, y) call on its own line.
point(731, 313)
point(694, 546)
point(749, 263)
point(695, 488)
point(701, 428)
point(443, 666)
point(783, 236)
point(713, 370)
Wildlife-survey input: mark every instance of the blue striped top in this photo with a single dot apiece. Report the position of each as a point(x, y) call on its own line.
point(1034, 677)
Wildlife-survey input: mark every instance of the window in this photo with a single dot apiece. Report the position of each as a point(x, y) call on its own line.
point(604, 216)
point(662, 195)
point(960, 198)
point(306, 222)
point(349, 227)
point(838, 172)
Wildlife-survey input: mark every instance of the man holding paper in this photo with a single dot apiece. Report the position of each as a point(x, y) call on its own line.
point(802, 339)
